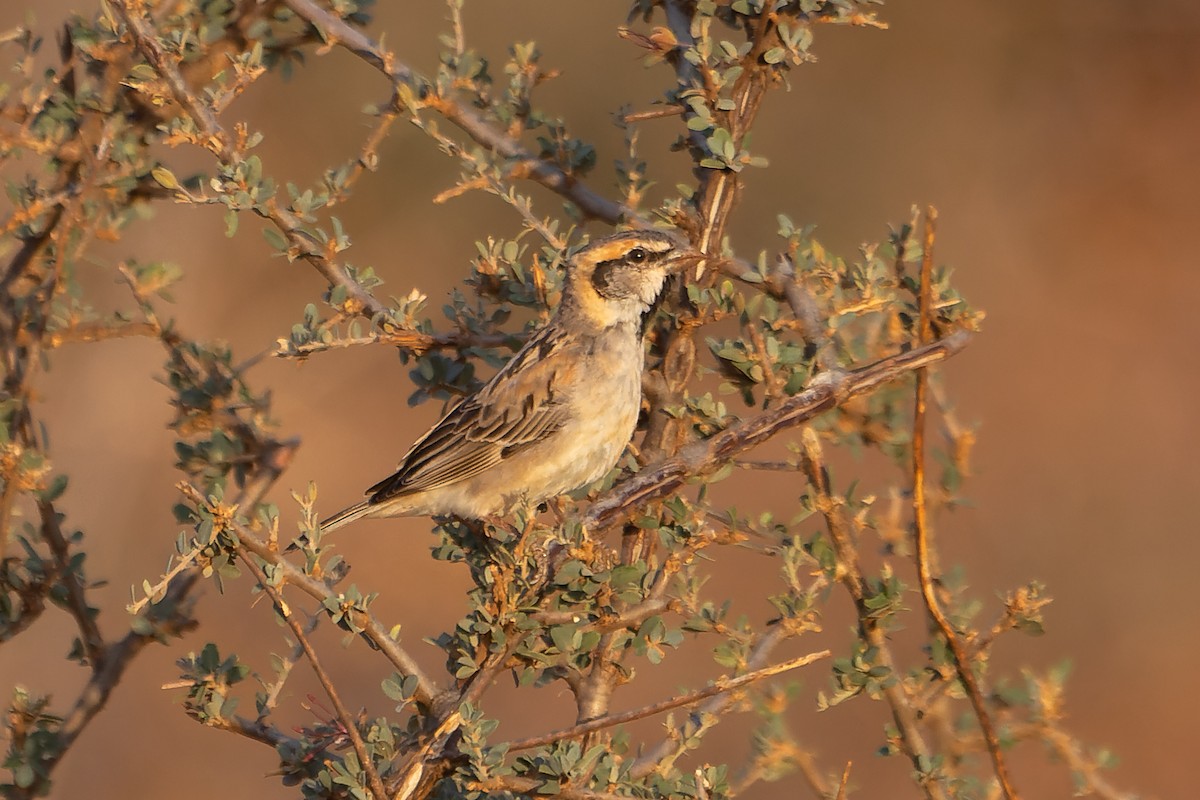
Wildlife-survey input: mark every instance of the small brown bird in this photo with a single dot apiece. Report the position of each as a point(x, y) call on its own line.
point(559, 414)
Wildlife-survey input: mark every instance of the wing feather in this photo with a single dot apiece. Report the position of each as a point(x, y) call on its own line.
point(517, 408)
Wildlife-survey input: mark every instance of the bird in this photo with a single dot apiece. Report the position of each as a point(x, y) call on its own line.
point(560, 413)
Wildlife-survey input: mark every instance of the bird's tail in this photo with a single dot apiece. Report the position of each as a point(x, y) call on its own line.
point(346, 515)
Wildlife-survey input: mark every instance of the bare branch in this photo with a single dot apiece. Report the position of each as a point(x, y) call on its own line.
point(962, 659)
point(343, 714)
point(719, 686)
point(97, 332)
point(828, 391)
point(374, 631)
point(850, 575)
point(841, 794)
point(85, 619)
point(253, 729)
point(522, 164)
point(416, 342)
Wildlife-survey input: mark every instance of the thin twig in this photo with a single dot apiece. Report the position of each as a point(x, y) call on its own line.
point(215, 140)
point(427, 690)
point(841, 794)
point(716, 706)
point(521, 162)
point(165, 619)
point(254, 729)
point(804, 309)
point(96, 332)
point(772, 385)
point(652, 113)
point(850, 575)
point(719, 686)
point(1069, 751)
point(343, 714)
point(962, 659)
point(85, 618)
point(286, 664)
point(414, 341)
point(767, 466)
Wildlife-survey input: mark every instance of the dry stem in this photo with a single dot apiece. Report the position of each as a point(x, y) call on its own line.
point(962, 659)
point(347, 722)
point(427, 690)
point(719, 686)
point(850, 575)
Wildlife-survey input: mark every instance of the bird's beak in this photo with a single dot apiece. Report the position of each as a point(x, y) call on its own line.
point(684, 260)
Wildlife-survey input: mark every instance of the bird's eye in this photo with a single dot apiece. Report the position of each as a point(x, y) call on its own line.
point(637, 255)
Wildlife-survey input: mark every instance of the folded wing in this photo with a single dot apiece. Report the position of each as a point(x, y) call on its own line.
point(516, 409)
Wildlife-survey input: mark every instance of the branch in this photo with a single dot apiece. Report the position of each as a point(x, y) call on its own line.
point(167, 619)
point(523, 164)
point(347, 722)
point(253, 729)
point(85, 615)
point(533, 787)
point(629, 618)
point(962, 659)
point(719, 686)
point(648, 761)
point(96, 332)
point(427, 690)
point(416, 774)
point(849, 574)
point(414, 341)
point(1069, 751)
point(827, 391)
point(215, 140)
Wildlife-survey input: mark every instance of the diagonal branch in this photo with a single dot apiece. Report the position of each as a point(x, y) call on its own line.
point(827, 391)
point(347, 722)
point(522, 163)
point(719, 686)
point(165, 619)
point(216, 141)
point(651, 759)
point(69, 579)
point(427, 690)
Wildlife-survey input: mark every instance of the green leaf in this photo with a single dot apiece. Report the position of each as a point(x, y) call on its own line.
point(276, 239)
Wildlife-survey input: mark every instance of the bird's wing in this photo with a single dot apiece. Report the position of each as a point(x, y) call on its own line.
point(518, 407)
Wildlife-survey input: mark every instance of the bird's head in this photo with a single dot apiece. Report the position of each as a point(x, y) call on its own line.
point(620, 277)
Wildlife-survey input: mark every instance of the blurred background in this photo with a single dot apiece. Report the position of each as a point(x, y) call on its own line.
point(1061, 143)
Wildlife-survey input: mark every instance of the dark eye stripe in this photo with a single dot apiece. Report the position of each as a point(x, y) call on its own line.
point(648, 257)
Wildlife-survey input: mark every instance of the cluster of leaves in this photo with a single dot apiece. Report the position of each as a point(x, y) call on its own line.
point(551, 599)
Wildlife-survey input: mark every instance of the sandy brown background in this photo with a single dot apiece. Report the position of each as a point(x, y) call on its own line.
point(1060, 141)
